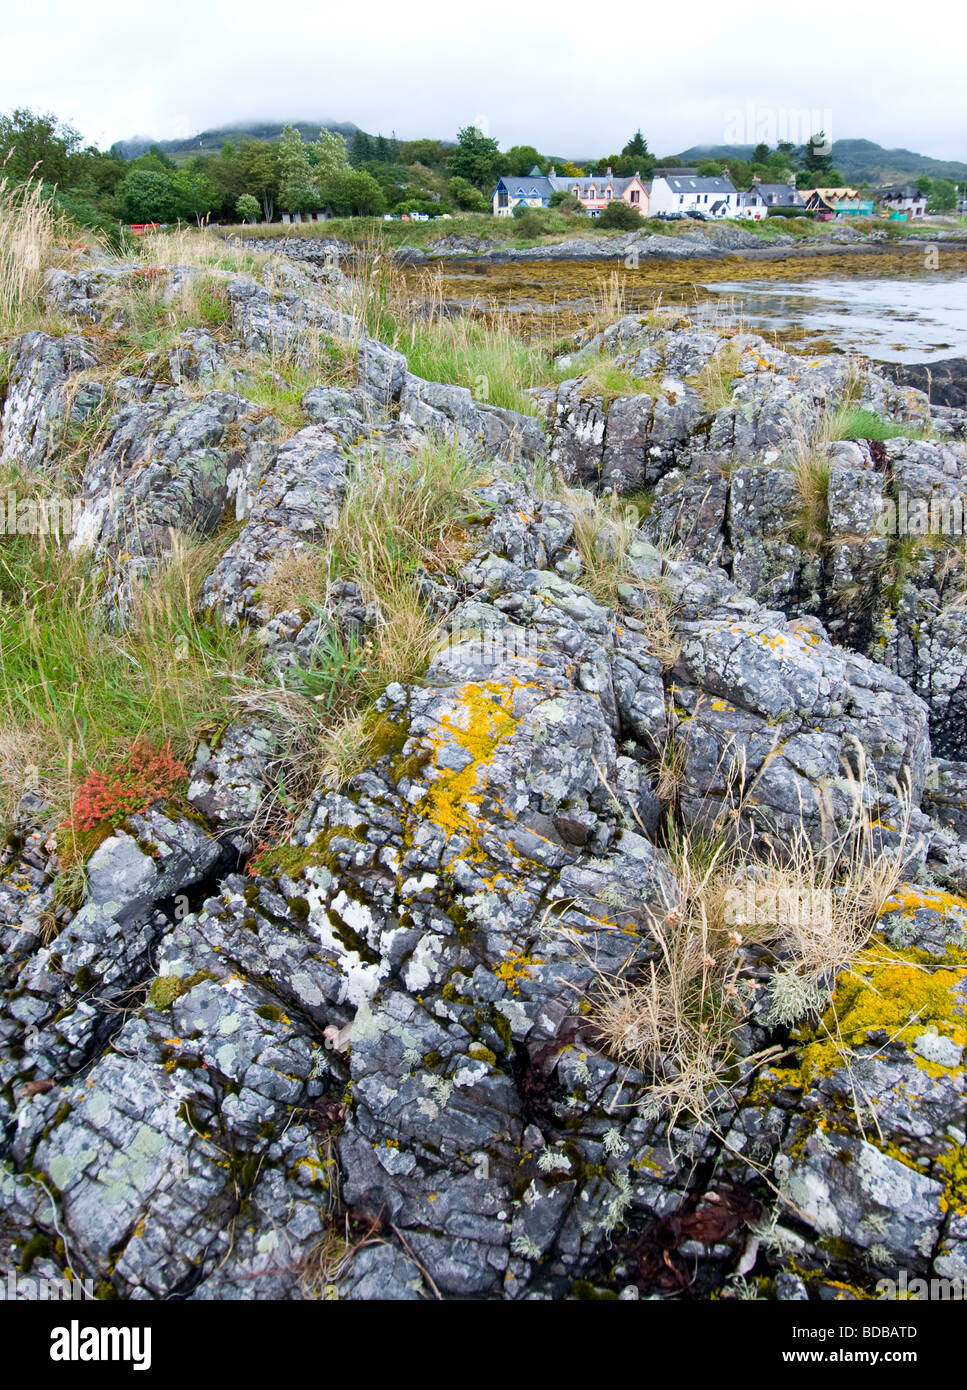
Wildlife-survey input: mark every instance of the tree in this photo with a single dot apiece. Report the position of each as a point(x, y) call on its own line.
point(360, 148)
point(195, 194)
point(431, 153)
point(760, 155)
point(710, 169)
point(297, 190)
point(924, 183)
point(943, 196)
point(259, 160)
point(39, 145)
point(521, 159)
point(637, 146)
point(463, 193)
point(328, 155)
point(476, 158)
point(816, 155)
point(352, 192)
point(247, 208)
point(146, 196)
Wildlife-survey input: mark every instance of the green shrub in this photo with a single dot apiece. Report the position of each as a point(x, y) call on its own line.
point(531, 222)
point(566, 204)
point(621, 215)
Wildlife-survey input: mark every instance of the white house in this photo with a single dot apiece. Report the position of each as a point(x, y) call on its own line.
point(681, 190)
point(903, 198)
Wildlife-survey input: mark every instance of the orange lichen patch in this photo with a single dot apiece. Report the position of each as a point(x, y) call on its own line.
point(514, 968)
point(909, 899)
point(953, 1172)
point(481, 720)
point(899, 995)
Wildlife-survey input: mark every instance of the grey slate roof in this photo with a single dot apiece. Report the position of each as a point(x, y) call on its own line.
point(687, 183)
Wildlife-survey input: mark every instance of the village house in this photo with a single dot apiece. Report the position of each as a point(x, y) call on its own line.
point(683, 191)
point(904, 200)
point(594, 192)
point(762, 196)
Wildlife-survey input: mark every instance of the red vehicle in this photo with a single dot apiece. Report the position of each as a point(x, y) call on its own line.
point(139, 228)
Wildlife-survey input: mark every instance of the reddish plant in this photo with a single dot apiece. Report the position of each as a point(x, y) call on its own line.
point(144, 775)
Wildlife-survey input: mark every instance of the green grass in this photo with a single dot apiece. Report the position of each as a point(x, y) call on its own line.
point(401, 516)
point(74, 696)
point(854, 423)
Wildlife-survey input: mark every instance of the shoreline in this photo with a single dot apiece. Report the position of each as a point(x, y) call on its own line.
point(583, 250)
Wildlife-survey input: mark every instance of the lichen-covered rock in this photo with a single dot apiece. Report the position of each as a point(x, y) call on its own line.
point(867, 1128)
point(292, 504)
point(40, 398)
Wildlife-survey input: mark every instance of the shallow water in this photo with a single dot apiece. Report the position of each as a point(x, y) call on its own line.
point(890, 320)
point(887, 306)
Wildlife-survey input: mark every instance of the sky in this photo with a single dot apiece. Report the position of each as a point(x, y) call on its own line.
point(571, 80)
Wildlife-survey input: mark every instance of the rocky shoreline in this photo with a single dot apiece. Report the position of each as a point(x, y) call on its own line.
point(391, 1016)
point(709, 243)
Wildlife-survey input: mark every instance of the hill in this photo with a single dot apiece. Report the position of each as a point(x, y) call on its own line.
point(211, 141)
point(859, 160)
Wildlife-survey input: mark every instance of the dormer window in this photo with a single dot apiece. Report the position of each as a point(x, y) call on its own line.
point(576, 191)
point(591, 192)
point(607, 192)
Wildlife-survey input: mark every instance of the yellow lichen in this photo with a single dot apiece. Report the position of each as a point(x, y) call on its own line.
point(482, 718)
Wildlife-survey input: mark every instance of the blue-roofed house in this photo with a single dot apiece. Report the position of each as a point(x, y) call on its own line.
point(593, 191)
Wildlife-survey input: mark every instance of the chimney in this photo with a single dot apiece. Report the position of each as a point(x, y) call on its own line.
point(608, 173)
point(792, 179)
point(551, 173)
point(755, 180)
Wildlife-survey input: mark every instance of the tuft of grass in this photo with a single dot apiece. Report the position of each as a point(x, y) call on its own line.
point(604, 528)
point(810, 525)
point(851, 422)
point(714, 382)
point(605, 379)
point(813, 899)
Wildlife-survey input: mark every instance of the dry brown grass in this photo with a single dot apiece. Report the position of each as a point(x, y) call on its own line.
point(32, 239)
point(813, 899)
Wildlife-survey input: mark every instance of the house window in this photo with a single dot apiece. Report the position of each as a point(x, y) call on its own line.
point(591, 192)
point(681, 199)
point(576, 191)
point(634, 195)
point(607, 192)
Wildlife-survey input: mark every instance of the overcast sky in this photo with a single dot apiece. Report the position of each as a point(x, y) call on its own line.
point(568, 79)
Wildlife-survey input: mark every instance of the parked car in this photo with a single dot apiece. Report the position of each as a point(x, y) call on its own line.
point(697, 215)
